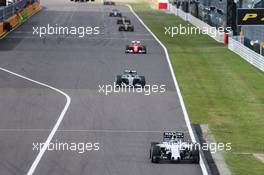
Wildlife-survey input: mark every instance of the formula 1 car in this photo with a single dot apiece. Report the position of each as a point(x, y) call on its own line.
point(123, 20)
point(82, 0)
point(136, 47)
point(109, 2)
point(115, 13)
point(174, 149)
point(130, 78)
point(126, 27)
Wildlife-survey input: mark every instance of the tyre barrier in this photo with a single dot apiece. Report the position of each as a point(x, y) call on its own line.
point(7, 27)
point(30, 10)
point(13, 21)
point(36, 7)
point(2, 29)
point(25, 13)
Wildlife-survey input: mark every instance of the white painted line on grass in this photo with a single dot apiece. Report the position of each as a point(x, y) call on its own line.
point(186, 116)
point(56, 126)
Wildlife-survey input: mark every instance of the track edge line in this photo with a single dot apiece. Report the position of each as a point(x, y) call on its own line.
point(56, 126)
point(186, 116)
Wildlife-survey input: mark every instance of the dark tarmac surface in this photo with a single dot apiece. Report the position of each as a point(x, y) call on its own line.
point(123, 124)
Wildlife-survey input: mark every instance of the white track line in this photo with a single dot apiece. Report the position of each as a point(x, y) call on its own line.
point(82, 130)
point(56, 126)
point(186, 116)
point(75, 38)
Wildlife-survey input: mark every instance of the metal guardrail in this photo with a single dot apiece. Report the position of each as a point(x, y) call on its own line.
point(10, 10)
point(247, 54)
point(183, 15)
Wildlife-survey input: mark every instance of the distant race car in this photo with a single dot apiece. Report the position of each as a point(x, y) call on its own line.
point(130, 78)
point(82, 0)
point(115, 13)
point(136, 47)
point(109, 2)
point(123, 20)
point(174, 149)
point(126, 27)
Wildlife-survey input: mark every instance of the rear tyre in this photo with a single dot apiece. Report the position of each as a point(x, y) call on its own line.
point(136, 82)
point(195, 154)
point(151, 148)
point(145, 49)
point(142, 81)
point(7, 27)
point(155, 154)
point(127, 49)
point(118, 80)
point(122, 29)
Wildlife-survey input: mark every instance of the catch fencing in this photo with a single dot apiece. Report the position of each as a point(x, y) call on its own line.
point(215, 34)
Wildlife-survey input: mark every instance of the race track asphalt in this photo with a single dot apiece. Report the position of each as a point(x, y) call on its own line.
point(123, 123)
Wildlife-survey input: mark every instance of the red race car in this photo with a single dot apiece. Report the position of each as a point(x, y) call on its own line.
point(136, 47)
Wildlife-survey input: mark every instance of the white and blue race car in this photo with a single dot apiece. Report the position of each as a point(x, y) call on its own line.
point(174, 149)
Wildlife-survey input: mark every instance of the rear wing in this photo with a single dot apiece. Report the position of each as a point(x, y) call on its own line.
point(173, 135)
point(130, 72)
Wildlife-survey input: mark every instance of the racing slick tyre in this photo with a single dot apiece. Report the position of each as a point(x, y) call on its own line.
point(132, 29)
point(151, 147)
point(127, 49)
point(136, 82)
point(118, 80)
point(195, 154)
point(7, 26)
point(121, 29)
point(142, 81)
point(145, 49)
point(155, 154)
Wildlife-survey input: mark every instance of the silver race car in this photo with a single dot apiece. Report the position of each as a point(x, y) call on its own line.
point(115, 13)
point(174, 149)
point(130, 78)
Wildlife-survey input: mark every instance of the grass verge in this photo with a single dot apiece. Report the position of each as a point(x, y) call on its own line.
point(219, 88)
